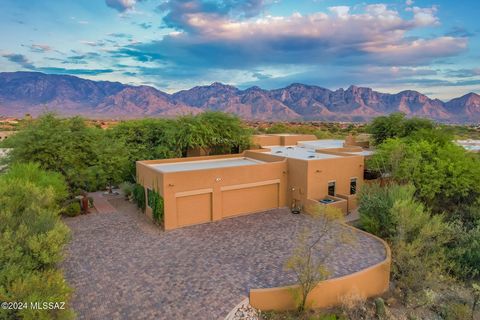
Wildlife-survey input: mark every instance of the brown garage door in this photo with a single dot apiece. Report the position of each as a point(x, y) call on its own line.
point(250, 199)
point(194, 209)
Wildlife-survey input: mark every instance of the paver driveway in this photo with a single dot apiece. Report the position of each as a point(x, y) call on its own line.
point(122, 267)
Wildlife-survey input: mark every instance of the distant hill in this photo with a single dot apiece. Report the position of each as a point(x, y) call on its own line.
point(34, 92)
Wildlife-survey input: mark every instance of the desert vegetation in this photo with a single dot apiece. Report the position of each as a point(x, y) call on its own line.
point(427, 208)
point(54, 159)
point(426, 204)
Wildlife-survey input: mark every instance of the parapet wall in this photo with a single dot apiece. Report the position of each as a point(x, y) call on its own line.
point(369, 282)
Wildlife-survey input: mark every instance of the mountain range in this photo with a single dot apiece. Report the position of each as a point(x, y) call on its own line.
point(35, 92)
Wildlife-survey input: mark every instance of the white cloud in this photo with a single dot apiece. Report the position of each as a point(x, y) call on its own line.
point(377, 34)
point(121, 5)
point(340, 11)
point(425, 16)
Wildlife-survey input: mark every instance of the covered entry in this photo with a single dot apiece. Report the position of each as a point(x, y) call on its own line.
point(249, 198)
point(194, 207)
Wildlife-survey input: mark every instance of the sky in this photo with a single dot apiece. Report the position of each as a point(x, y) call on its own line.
point(432, 46)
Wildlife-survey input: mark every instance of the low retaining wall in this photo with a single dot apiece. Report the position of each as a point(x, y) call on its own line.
point(369, 282)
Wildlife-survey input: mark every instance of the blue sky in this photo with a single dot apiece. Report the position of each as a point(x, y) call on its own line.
point(428, 45)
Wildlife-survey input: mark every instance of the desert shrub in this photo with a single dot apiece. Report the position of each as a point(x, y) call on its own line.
point(375, 204)
point(32, 239)
point(127, 188)
point(354, 306)
point(456, 311)
point(139, 196)
point(46, 286)
point(418, 250)
point(465, 253)
point(72, 210)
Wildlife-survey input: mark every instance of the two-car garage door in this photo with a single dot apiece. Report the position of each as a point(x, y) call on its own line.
point(196, 207)
point(238, 200)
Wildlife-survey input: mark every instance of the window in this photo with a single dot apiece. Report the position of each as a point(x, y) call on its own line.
point(331, 188)
point(353, 186)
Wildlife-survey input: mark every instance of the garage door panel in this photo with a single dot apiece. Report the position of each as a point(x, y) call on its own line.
point(251, 199)
point(194, 209)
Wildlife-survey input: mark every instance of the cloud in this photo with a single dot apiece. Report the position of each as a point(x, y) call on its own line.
point(425, 16)
point(40, 48)
point(182, 14)
point(89, 72)
point(121, 5)
point(459, 32)
point(99, 43)
point(19, 59)
point(419, 51)
point(212, 37)
point(144, 25)
point(463, 73)
point(340, 11)
point(120, 35)
point(81, 58)
point(409, 2)
point(137, 55)
point(261, 76)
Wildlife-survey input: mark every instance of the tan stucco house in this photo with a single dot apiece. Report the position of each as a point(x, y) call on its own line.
point(281, 170)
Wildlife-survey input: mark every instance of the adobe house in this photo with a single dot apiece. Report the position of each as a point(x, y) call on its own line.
point(286, 170)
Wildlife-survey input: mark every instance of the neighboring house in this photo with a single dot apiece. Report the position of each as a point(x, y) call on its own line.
point(470, 145)
point(286, 170)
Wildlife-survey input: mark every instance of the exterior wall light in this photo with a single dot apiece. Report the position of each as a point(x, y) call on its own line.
point(218, 179)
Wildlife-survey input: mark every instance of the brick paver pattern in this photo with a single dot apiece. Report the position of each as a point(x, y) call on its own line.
point(122, 267)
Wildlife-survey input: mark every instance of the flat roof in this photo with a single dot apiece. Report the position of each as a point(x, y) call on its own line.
point(204, 164)
point(322, 144)
point(299, 153)
point(362, 153)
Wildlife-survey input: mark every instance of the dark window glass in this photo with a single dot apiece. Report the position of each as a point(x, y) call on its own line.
point(353, 186)
point(331, 189)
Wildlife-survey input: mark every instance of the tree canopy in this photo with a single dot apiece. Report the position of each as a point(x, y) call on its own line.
point(396, 125)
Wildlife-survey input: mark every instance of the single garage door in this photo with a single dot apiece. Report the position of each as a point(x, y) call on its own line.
point(194, 209)
point(236, 201)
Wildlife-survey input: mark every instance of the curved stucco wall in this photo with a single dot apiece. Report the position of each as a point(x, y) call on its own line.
point(368, 282)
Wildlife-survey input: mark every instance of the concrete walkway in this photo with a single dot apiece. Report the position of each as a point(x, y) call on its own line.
point(123, 267)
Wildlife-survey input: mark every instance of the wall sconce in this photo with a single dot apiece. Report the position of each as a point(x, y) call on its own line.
point(318, 171)
point(170, 184)
point(218, 179)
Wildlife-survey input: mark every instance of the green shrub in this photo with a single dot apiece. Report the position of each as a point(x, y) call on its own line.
point(32, 241)
point(456, 311)
point(44, 286)
point(127, 188)
point(73, 209)
point(155, 201)
point(139, 196)
point(375, 204)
